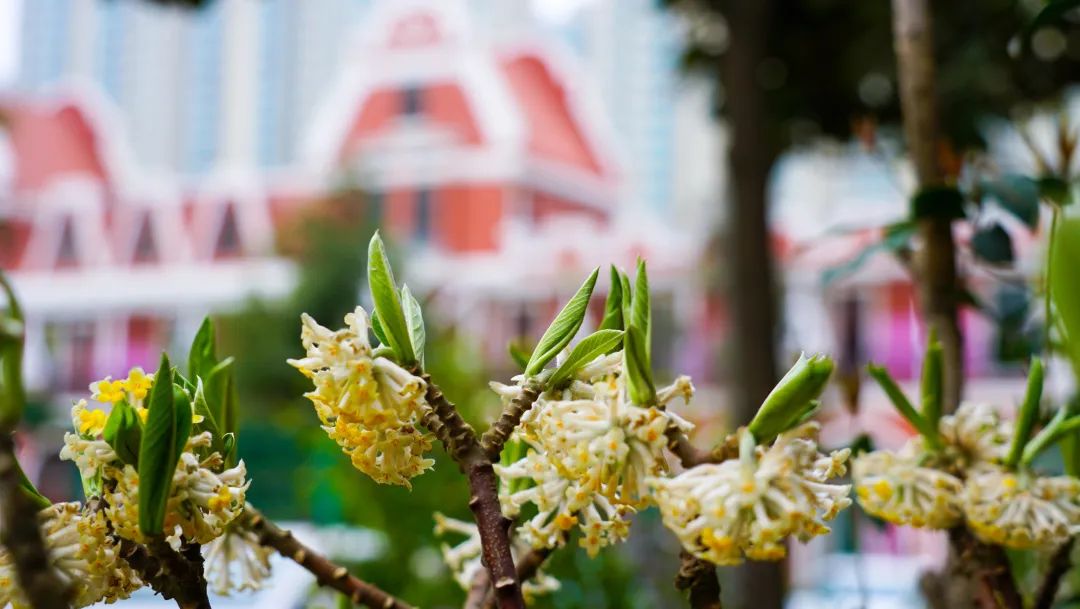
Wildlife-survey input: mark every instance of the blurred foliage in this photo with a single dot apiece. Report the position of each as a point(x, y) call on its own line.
point(830, 64)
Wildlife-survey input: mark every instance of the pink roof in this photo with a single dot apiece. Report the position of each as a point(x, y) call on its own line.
point(50, 142)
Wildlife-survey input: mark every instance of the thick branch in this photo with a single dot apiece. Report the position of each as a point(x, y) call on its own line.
point(326, 572)
point(935, 262)
point(698, 577)
point(989, 567)
point(496, 436)
point(1060, 563)
point(173, 575)
point(527, 568)
point(461, 442)
point(22, 537)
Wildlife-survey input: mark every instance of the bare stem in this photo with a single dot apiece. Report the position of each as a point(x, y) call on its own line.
point(461, 442)
point(698, 577)
point(326, 572)
point(22, 537)
point(1060, 563)
point(988, 566)
point(496, 436)
point(689, 455)
point(527, 567)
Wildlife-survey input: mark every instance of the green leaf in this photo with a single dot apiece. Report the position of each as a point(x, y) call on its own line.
point(1055, 190)
point(993, 245)
point(12, 393)
point(590, 348)
point(639, 380)
point(219, 392)
point(793, 397)
point(387, 304)
point(519, 354)
point(938, 202)
point(414, 317)
point(1016, 194)
point(201, 357)
point(123, 432)
point(563, 328)
point(168, 426)
point(903, 406)
point(377, 329)
point(28, 488)
point(613, 317)
point(895, 237)
point(1065, 288)
point(1028, 413)
point(627, 298)
point(930, 385)
point(641, 310)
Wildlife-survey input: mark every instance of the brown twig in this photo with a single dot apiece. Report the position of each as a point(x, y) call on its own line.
point(989, 568)
point(478, 591)
point(689, 455)
point(698, 577)
point(496, 436)
point(527, 567)
point(461, 442)
point(326, 572)
point(1060, 563)
point(173, 575)
point(22, 536)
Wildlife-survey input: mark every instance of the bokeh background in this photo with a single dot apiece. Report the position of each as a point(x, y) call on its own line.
point(161, 161)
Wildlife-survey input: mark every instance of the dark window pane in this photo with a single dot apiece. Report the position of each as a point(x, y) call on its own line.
point(228, 241)
point(411, 101)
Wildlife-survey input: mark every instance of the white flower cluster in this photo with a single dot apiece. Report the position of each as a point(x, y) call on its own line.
point(746, 508)
point(206, 497)
point(83, 554)
point(464, 559)
point(369, 405)
point(236, 561)
point(590, 450)
point(967, 482)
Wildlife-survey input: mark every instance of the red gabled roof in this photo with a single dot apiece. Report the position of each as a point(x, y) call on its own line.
point(49, 142)
point(554, 132)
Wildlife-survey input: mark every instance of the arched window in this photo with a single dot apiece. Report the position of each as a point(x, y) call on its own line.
point(228, 238)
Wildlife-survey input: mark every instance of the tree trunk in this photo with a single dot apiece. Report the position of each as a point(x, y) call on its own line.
point(750, 159)
point(935, 259)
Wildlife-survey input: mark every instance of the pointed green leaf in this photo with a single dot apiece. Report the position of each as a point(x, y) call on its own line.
point(39, 500)
point(563, 328)
point(414, 317)
point(387, 304)
point(519, 354)
point(590, 348)
point(627, 298)
point(12, 393)
point(903, 405)
point(218, 388)
point(639, 380)
point(201, 357)
point(123, 432)
point(1065, 288)
point(641, 309)
point(793, 399)
point(930, 384)
point(1028, 413)
point(613, 318)
point(377, 329)
point(168, 425)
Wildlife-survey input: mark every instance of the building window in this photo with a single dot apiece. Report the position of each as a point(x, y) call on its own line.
point(145, 247)
point(422, 230)
point(66, 256)
point(228, 240)
point(412, 102)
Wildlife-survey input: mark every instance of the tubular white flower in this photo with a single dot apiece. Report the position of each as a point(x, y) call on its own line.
point(895, 487)
point(236, 561)
point(82, 553)
point(463, 560)
point(977, 433)
point(369, 405)
point(590, 452)
point(725, 512)
point(1022, 511)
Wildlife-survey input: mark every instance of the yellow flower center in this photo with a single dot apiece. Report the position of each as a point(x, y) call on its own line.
point(92, 422)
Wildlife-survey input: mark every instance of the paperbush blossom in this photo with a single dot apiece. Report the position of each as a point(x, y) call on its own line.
point(205, 497)
point(367, 404)
point(1022, 511)
point(894, 487)
point(746, 508)
point(464, 558)
point(589, 453)
point(921, 488)
point(84, 555)
point(236, 561)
